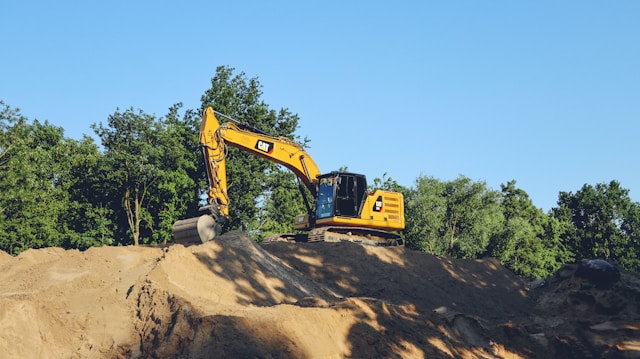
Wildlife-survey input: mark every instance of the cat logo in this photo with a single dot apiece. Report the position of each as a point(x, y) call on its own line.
point(264, 146)
point(377, 206)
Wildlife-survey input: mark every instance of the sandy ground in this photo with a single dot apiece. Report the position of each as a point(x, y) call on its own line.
point(232, 298)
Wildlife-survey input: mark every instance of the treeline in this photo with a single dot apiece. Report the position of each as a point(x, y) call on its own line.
point(147, 172)
point(466, 219)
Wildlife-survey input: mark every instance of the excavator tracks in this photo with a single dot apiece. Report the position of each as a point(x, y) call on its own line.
point(364, 236)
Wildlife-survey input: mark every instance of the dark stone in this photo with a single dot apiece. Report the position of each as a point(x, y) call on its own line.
point(600, 273)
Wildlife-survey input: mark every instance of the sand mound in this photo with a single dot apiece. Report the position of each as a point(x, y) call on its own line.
point(234, 298)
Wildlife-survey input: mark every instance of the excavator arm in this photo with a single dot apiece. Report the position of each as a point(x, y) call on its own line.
point(215, 136)
point(214, 139)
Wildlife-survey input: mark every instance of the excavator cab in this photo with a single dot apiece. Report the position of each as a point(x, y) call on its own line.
point(340, 194)
point(346, 210)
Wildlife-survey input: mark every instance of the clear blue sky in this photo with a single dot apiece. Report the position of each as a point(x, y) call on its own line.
point(546, 93)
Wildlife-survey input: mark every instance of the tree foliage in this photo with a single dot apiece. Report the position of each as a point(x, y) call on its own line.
point(89, 216)
point(529, 242)
point(466, 219)
point(457, 218)
point(605, 223)
point(386, 183)
point(282, 204)
point(36, 206)
point(151, 179)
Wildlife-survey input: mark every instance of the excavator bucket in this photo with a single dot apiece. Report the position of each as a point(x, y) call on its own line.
point(194, 230)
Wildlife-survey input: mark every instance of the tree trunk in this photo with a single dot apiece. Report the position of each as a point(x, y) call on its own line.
point(133, 216)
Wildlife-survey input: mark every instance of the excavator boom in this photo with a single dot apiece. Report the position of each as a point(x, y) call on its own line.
point(277, 149)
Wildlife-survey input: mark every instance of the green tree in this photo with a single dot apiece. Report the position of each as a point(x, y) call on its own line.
point(256, 187)
point(605, 223)
point(282, 204)
point(178, 192)
point(425, 208)
point(472, 218)
point(151, 172)
point(33, 203)
point(529, 243)
point(385, 183)
point(457, 218)
point(89, 216)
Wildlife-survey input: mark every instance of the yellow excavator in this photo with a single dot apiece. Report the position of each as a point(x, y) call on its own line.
point(343, 208)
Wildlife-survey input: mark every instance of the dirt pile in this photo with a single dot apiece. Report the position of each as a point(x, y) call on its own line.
point(233, 298)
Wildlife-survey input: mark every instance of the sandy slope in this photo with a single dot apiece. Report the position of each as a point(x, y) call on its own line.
point(233, 298)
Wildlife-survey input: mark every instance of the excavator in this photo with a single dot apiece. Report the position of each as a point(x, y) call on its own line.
point(342, 209)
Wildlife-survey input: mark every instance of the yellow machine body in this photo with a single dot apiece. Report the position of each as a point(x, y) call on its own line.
point(342, 200)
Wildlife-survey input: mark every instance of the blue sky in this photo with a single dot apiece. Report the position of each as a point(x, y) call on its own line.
point(546, 93)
